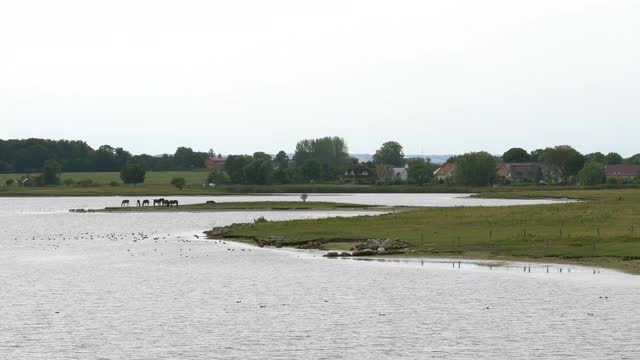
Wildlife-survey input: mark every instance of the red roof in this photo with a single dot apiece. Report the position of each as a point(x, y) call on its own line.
point(622, 170)
point(214, 163)
point(445, 169)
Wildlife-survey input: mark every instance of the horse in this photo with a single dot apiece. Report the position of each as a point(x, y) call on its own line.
point(158, 201)
point(173, 202)
point(124, 202)
point(145, 203)
point(165, 202)
point(138, 203)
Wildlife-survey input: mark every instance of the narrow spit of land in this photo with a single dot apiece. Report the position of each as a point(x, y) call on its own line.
point(603, 231)
point(249, 206)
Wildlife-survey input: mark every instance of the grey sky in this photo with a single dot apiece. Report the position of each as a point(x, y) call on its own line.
point(239, 76)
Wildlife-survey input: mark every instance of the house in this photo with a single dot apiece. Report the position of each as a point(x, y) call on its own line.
point(518, 171)
point(445, 172)
point(400, 173)
point(214, 164)
point(622, 171)
point(390, 173)
point(27, 181)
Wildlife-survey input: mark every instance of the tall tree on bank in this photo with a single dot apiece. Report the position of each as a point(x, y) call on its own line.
point(330, 152)
point(50, 172)
point(475, 169)
point(133, 174)
point(516, 155)
point(390, 153)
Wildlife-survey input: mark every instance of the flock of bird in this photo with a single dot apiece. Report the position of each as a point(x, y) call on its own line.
point(140, 244)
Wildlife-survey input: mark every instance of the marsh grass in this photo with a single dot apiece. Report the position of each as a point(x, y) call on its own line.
point(604, 230)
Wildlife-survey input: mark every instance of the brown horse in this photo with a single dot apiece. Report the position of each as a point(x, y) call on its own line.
point(158, 201)
point(124, 202)
point(145, 203)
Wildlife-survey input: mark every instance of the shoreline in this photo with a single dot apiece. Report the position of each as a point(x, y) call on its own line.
point(613, 264)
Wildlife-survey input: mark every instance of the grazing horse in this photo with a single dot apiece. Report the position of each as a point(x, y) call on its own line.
point(124, 202)
point(138, 203)
point(173, 202)
point(158, 201)
point(145, 203)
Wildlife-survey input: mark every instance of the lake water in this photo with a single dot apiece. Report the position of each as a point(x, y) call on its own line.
point(143, 286)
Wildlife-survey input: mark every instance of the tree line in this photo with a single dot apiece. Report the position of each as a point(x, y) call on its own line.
point(30, 155)
point(559, 164)
point(323, 159)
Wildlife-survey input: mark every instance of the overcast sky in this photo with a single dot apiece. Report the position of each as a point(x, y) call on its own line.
point(439, 77)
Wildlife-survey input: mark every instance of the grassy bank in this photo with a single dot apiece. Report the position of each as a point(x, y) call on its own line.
point(603, 232)
point(245, 206)
point(157, 184)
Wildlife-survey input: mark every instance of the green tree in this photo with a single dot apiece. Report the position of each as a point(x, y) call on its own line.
point(311, 170)
point(218, 177)
point(476, 169)
point(634, 160)
point(420, 171)
point(284, 175)
point(452, 159)
point(613, 158)
point(329, 151)
point(596, 156)
point(592, 174)
point(260, 155)
point(50, 172)
point(258, 171)
point(234, 165)
point(390, 153)
point(282, 159)
point(563, 160)
point(132, 173)
point(516, 155)
point(178, 182)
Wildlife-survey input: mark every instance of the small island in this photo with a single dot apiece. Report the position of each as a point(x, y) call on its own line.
point(213, 206)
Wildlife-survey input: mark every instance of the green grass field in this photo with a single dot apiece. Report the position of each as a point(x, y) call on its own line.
point(603, 231)
point(157, 183)
point(152, 177)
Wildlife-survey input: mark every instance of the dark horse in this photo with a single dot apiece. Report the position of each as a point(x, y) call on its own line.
point(138, 203)
point(170, 203)
point(145, 203)
point(158, 201)
point(124, 202)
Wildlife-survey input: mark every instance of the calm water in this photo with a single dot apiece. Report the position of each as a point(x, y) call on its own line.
point(142, 286)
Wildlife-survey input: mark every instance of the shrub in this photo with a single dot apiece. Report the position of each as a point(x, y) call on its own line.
point(68, 182)
point(9, 182)
point(261, 219)
point(85, 183)
point(178, 182)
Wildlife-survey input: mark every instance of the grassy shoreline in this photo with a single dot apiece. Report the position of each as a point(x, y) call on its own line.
point(603, 232)
point(197, 190)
